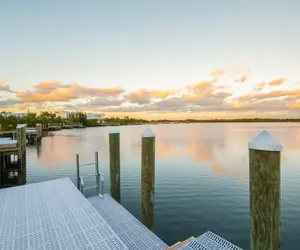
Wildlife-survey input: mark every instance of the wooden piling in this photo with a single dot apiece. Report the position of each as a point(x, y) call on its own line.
point(148, 178)
point(114, 163)
point(39, 130)
point(21, 145)
point(264, 174)
point(21, 139)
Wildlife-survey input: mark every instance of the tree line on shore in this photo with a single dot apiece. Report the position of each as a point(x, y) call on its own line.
point(9, 121)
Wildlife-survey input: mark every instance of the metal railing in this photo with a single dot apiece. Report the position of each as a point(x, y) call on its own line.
point(99, 178)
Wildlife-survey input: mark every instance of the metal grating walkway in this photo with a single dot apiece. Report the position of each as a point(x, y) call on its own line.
point(209, 241)
point(129, 229)
point(52, 215)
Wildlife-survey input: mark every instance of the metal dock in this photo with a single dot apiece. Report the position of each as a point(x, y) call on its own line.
point(55, 215)
point(130, 230)
point(52, 215)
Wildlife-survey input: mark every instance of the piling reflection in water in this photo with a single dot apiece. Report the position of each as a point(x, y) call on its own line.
point(13, 170)
point(13, 165)
point(39, 148)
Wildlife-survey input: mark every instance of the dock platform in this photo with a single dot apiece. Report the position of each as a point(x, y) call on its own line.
point(55, 215)
point(52, 215)
point(130, 230)
point(7, 144)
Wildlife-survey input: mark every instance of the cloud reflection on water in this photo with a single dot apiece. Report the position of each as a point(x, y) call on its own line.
point(223, 147)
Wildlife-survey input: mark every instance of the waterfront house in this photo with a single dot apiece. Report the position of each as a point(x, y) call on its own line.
point(96, 116)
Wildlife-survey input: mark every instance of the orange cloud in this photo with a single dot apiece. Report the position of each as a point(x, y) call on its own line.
point(161, 94)
point(55, 91)
point(275, 94)
point(200, 89)
point(277, 82)
point(217, 72)
point(143, 96)
point(294, 105)
point(140, 96)
point(205, 91)
point(242, 79)
point(260, 86)
point(239, 105)
point(47, 87)
point(203, 98)
point(23, 106)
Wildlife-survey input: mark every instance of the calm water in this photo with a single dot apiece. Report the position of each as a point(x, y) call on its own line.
point(201, 175)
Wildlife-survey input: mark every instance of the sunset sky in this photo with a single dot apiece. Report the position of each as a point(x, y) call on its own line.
point(151, 59)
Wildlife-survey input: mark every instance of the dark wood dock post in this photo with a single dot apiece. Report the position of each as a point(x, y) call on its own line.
point(264, 164)
point(148, 178)
point(114, 164)
point(21, 144)
point(39, 130)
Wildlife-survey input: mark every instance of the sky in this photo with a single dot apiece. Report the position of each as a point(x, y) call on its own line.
point(151, 59)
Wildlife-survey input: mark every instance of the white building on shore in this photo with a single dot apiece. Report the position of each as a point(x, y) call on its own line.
point(14, 114)
point(96, 116)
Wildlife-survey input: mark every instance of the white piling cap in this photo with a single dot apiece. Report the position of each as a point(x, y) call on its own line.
point(266, 142)
point(148, 132)
point(114, 130)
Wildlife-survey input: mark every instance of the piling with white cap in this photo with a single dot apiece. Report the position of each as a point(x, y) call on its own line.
point(114, 163)
point(264, 174)
point(148, 178)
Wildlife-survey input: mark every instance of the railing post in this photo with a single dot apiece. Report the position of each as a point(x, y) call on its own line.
point(77, 171)
point(97, 172)
point(114, 163)
point(148, 178)
point(264, 175)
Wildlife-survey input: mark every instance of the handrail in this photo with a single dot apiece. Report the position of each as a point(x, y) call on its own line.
point(81, 185)
point(101, 191)
point(97, 174)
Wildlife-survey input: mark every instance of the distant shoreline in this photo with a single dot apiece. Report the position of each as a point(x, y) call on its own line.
point(124, 122)
point(9, 121)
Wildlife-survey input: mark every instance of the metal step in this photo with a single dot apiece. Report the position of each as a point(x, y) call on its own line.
point(209, 241)
point(86, 188)
point(88, 175)
point(88, 164)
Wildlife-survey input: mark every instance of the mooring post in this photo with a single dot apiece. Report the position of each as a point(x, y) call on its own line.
point(77, 171)
point(114, 163)
point(264, 174)
point(148, 178)
point(39, 131)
